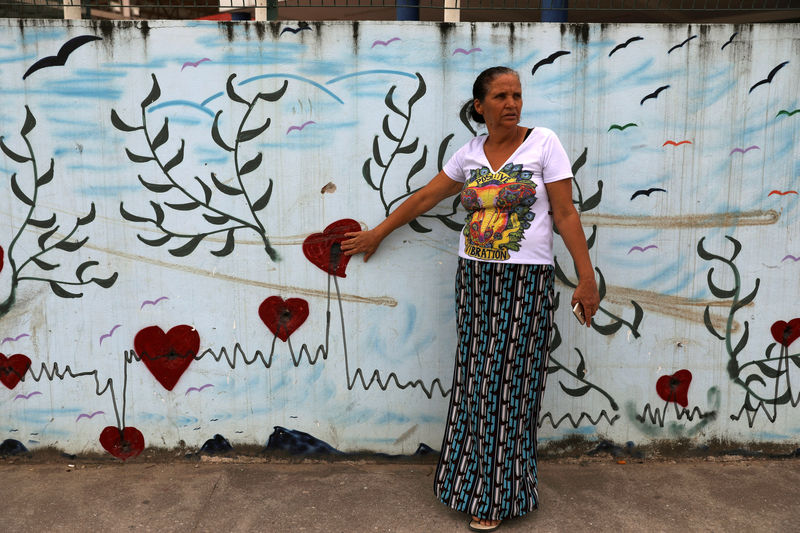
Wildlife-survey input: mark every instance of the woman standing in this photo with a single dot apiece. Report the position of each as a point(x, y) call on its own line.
point(515, 183)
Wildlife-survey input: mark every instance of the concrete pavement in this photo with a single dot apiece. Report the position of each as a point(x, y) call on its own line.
point(253, 494)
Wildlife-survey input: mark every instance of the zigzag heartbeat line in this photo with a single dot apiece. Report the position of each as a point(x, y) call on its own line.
point(657, 416)
point(575, 423)
point(752, 413)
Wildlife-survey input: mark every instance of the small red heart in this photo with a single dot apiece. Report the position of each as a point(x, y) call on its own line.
point(325, 249)
point(122, 444)
point(786, 332)
point(283, 317)
point(13, 368)
point(1, 258)
point(675, 388)
point(167, 355)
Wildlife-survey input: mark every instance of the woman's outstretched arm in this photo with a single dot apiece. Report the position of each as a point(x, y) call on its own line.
point(366, 242)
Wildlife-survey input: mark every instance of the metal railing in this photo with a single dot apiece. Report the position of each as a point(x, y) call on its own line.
point(466, 10)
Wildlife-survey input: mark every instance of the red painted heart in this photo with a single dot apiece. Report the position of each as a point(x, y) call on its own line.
point(13, 368)
point(283, 317)
point(675, 388)
point(325, 249)
point(167, 355)
point(786, 333)
point(122, 444)
point(1, 258)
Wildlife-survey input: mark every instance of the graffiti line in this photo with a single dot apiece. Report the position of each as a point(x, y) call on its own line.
point(15, 339)
point(577, 422)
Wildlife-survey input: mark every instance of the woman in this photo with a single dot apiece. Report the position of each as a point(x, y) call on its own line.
point(515, 183)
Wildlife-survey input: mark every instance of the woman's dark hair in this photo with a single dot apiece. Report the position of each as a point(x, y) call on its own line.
point(481, 86)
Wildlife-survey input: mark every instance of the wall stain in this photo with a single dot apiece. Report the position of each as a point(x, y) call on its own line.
point(759, 217)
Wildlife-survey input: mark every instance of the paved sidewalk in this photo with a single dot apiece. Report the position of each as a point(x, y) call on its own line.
point(592, 495)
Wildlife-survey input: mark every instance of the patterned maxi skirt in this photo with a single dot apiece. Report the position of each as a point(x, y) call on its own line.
point(504, 313)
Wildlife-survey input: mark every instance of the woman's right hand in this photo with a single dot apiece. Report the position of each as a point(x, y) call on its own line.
point(358, 242)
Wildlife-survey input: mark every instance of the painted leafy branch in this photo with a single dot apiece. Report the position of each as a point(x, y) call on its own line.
point(586, 204)
point(220, 221)
point(50, 242)
point(400, 146)
point(771, 368)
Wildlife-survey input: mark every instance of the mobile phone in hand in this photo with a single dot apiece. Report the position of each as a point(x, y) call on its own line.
point(578, 312)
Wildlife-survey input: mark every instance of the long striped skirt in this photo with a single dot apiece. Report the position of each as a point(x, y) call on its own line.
point(504, 313)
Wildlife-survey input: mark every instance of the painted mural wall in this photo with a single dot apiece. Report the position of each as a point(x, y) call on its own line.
point(173, 197)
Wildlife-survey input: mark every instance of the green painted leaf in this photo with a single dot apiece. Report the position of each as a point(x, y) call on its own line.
point(709, 325)
point(44, 224)
point(206, 190)
point(89, 216)
point(47, 177)
point(755, 377)
point(555, 342)
point(252, 134)
point(230, 242)
point(463, 115)
point(701, 251)
point(12, 154)
point(106, 283)
point(747, 299)
point(742, 341)
point(561, 276)
point(442, 149)
point(82, 268)
point(387, 131)
point(120, 124)
point(59, 291)
point(376, 152)
point(768, 371)
point(409, 148)
point(251, 165)
point(43, 264)
point(188, 206)
point(716, 291)
point(18, 192)
point(592, 202)
point(30, 122)
point(452, 224)
point(71, 246)
point(162, 136)
point(638, 315)
point(44, 236)
point(576, 166)
point(156, 187)
point(216, 136)
point(581, 369)
point(187, 248)
point(232, 94)
point(580, 391)
point(421, 89)
point(416, 226)
point(367, 174)
point(225, 189)
point(158, 241)
point(175, 161)
point(601, 284)
point(262, 202)
point(275, 96)
point(216, 220)
point(155, 93)
point(590, 240)
point(130, 216)
point(609, 329)
point(737, 247)
point(389, 101)
point(159, 211)
point(136, 158)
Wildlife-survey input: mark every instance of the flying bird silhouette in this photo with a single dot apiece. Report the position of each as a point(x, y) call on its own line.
point(15, 339)
point(300, 27)
point(647, 192)
point(466, 52)
point(60, 59)
point(622, 128)
point(152, 302)
point(625, 44)
point(744, 150)
point(640, 249)
point(385, 43)
point(769, 77)
point(548, 60)
point(194, 63)
point(729, 40)
point(654, 94)
point(681, 45)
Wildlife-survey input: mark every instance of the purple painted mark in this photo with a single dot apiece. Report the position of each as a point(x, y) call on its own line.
point(152, 302)
point(793, 258)
point(27, 397)
point(89, 416)
point(639, 248)
point(299, 128)
point(466, 52)
point(198, 389)
point(385, 43)
point(745, 150)
point(109, 334)
point(194, 63)
point(15, 339)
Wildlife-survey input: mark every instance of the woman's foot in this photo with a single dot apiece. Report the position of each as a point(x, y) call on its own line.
point(482, 524)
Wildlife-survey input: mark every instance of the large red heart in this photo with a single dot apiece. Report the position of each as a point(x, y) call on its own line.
point(675, 388)
point(167, 355)
point(786, 332)
point(122, 444)
point(283, 317)
point(13, 368)
point(325, 249)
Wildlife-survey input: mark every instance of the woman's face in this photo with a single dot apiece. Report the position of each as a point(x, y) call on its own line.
point(502, 105)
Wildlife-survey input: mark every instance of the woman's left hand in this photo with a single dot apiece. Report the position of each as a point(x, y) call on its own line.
point(586, 294)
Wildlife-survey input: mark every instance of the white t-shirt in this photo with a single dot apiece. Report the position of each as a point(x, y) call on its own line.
point(509, 219)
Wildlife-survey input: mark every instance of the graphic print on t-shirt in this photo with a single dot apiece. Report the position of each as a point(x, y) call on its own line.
point(498, 211)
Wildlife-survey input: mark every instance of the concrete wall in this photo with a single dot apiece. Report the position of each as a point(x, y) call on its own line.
point(174, 223)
